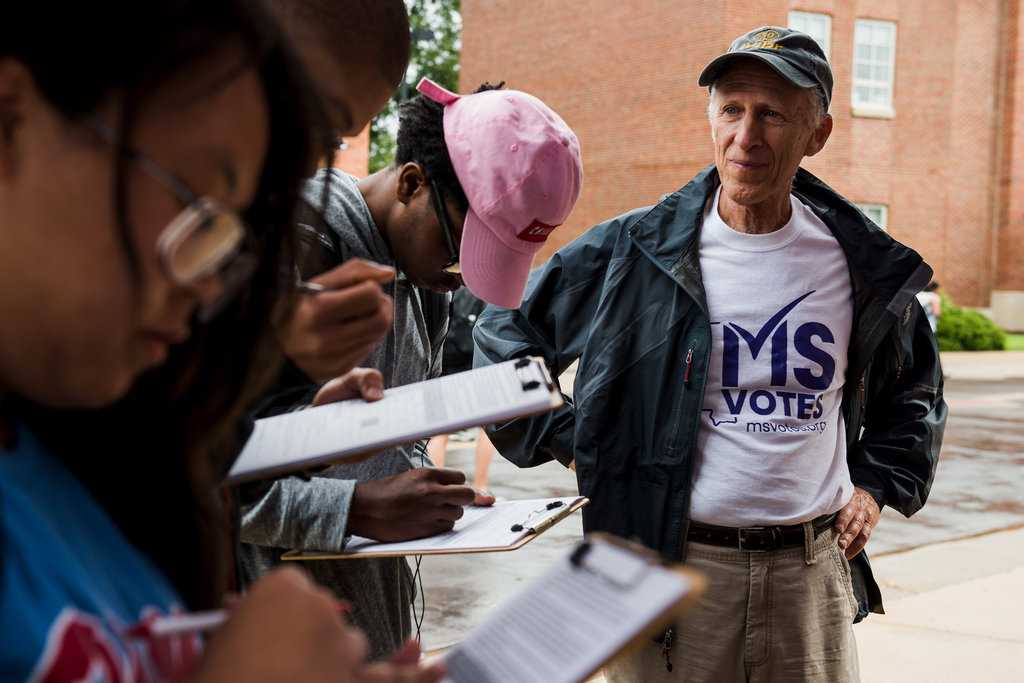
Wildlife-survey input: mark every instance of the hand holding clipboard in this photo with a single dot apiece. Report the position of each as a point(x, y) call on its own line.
point(505, 526)
point(338, 431)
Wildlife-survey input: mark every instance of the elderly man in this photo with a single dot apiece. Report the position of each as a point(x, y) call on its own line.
point(756, 382)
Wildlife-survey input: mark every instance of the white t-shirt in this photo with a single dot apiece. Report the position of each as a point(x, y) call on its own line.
point(772, 446)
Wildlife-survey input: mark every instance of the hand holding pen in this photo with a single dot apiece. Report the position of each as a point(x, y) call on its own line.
point(287, 629)
point(339, 319)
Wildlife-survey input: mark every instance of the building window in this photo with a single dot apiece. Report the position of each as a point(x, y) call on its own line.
point(817, 26)
point(874, 67)
point(878, 213)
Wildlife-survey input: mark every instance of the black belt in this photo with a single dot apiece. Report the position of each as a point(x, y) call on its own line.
point(758, 538)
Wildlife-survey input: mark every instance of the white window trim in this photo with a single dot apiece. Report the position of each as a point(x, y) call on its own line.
point(869, 110)
point(883, 210)
point(827, 47)
point(873, 112)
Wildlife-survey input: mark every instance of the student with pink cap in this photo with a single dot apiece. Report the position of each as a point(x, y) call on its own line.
point(478, 181)
point(520, 167)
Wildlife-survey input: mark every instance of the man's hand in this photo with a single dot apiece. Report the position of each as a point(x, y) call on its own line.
point(414, 504)
point(856, 521)
point(364, 383)
point(483, 499)
point(331, 332)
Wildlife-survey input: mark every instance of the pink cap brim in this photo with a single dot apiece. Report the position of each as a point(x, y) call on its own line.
point(492, 271)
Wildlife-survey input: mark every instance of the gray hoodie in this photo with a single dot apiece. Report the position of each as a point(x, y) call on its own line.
point(313, 515)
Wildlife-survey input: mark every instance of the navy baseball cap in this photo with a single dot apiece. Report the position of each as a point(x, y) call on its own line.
point(793, 55)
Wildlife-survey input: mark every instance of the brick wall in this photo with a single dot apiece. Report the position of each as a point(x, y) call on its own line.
point(623, 75)
point(1010, 238)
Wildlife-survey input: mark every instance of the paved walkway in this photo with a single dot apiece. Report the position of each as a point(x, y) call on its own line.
point(983, 365)
point(953, 613)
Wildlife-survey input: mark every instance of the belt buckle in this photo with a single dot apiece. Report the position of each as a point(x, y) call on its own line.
point(739, 538)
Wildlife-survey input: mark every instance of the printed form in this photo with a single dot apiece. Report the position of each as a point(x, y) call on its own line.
point(480, 528)
point(329, 433)
point(571, 621)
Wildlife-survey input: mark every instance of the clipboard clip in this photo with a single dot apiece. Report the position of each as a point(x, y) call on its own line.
point(578, 553)
point(618, 566)
point(533, 374)
point(520, 526)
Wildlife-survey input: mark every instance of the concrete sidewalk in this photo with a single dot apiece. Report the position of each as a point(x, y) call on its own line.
point(953, 613)
point(983, 366)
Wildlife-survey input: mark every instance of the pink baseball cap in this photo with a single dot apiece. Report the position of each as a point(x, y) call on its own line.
point(520, 167)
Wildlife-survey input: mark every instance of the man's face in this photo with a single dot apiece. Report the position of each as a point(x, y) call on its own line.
point(418, 241)
point(762, 127)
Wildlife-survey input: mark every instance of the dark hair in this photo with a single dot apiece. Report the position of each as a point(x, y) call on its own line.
point(421, 140)
point(932, 286)
point(373, 32)
point(153, 460)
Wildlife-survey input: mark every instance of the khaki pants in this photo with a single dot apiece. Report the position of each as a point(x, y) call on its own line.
point(784, 615)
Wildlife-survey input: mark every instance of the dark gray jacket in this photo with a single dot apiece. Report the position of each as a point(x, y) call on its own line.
point(627, 300)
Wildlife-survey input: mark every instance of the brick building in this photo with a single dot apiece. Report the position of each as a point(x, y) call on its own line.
point(929, 137)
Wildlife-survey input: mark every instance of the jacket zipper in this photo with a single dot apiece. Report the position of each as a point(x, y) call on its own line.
point(689, 364)
point(861, 400)
point(899, 355)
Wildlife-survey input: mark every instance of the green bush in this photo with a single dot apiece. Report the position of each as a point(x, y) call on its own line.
point(964, 330)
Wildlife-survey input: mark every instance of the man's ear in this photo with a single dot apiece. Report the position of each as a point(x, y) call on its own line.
point(14, 84)
point(411, 181)
point(820, 136)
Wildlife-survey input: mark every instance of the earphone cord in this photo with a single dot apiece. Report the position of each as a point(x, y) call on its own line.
point(416, 581)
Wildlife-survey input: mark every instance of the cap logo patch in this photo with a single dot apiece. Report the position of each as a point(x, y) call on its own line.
point(764, 40)
point(536, 232)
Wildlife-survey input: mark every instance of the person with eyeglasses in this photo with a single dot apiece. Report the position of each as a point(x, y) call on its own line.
point(146, 182)
point(414, 216)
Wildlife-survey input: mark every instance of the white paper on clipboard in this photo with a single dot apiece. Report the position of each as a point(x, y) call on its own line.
point(334, 432)
point(506, 525)
point(590, 606)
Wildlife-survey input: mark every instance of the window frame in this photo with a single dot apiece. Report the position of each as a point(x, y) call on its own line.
point(873, 109)
point(883, 211)
point(826, 47)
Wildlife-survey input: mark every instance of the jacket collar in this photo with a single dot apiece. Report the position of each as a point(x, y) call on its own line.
point(881, 268)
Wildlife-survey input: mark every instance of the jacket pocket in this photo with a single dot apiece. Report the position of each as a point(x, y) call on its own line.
point(842, 566)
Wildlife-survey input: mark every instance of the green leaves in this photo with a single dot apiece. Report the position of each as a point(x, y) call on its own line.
point(436, 27)
point(961, 329)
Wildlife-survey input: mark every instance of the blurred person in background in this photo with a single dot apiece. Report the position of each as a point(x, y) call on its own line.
point(931, 302)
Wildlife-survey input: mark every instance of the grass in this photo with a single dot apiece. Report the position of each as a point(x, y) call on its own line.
point(1014, 342)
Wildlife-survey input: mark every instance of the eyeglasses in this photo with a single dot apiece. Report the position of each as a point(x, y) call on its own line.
point(204, 238)
point(446, 224)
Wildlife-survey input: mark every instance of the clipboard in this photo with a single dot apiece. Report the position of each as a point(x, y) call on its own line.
point(350, 430)
point(667, 615)
point(597, 567)
point(421, 546)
